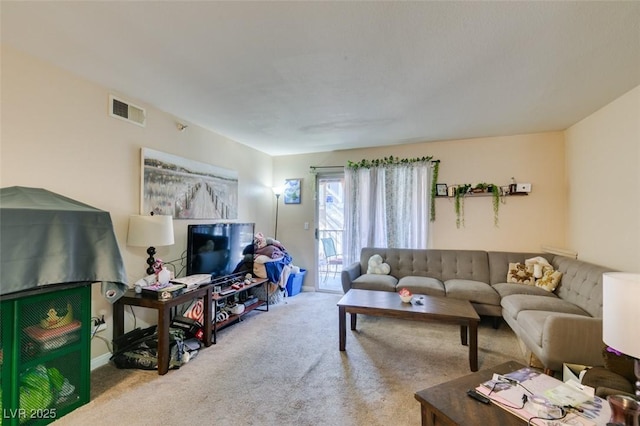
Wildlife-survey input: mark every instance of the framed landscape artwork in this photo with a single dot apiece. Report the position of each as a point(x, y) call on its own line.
point(187, 189)
point(292, 191)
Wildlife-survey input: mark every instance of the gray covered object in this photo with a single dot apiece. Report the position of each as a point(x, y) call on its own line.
point(46, 239)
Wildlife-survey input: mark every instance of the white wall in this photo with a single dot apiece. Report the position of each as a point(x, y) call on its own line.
point(603, 168)
point(57, 134)
point(525, 223)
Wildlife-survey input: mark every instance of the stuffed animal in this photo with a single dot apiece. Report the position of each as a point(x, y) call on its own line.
point(377, 266)
point(260, 240)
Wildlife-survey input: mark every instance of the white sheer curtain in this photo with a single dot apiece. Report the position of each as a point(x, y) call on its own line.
point(386, 206)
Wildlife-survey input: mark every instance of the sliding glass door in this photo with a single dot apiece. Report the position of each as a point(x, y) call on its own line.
point(329, 230)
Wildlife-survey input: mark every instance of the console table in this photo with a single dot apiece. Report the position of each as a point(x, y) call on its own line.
point(448, 403)
point(164, 318)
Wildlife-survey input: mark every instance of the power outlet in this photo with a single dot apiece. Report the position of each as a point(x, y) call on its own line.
point(99, 325)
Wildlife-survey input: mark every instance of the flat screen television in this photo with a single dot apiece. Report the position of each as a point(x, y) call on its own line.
point(220, 249)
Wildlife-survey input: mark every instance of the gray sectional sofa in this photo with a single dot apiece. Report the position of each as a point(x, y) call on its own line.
point(564, 326)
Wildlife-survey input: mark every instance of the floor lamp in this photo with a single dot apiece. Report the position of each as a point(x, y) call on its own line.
point(277, 191)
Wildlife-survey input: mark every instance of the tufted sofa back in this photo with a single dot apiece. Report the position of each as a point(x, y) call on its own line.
point(581, 283)
point(440, 264)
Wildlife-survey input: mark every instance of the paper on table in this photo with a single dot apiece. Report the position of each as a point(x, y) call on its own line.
point(567, 395)
point(595, 411)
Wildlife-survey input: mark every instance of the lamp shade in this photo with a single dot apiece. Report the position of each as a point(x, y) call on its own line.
point(150, 231)
point(620, 309)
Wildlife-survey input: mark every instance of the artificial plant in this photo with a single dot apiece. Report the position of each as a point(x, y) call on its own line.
point(460, 192)
point(495, 198)
point(393, 161)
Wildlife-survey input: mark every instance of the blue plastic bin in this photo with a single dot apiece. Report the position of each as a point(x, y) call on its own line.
point(294, 283)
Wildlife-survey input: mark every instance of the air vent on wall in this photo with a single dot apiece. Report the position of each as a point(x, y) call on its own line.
point(123, 110)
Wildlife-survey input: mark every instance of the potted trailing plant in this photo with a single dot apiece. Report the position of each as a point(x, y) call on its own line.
point(481, 187)
point(495, 198)
point(459, 194)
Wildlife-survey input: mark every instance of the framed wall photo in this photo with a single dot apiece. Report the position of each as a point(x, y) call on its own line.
point(292, 192)
point(441, 189)
point(186, 189)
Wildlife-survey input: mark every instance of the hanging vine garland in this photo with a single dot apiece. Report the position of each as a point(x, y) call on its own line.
point(434, 181)
point(394, 161)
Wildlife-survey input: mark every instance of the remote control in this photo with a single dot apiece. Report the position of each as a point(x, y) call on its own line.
point(478, 396)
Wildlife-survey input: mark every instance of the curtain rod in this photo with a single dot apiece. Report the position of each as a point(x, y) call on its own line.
point(326, 167)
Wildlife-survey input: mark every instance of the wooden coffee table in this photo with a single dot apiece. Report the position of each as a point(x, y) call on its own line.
point(388, 304)
point(448, 403)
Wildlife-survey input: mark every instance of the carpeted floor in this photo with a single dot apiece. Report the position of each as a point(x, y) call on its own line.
point(283, 367)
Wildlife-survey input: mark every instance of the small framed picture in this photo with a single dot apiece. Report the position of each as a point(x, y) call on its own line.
point(441, 189)
point(292, 191)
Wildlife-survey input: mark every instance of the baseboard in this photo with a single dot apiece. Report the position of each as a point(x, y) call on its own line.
point(99, 361)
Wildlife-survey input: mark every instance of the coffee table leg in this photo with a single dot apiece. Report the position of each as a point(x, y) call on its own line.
point(342, 326)
point(354, 320)
point(463, 335)
point(473, 346)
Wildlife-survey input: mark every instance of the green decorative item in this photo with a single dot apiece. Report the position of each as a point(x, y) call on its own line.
point(495, 197)
point(434, 181)
point(387, 161)
point(393, 161)
point(481, 187)
point(459, 195)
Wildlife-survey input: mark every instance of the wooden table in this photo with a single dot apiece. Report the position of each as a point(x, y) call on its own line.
point(164, 317)
point(388, 304)
point(448, 403)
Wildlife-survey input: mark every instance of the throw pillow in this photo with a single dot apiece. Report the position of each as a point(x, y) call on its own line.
point(377, 266)
point(520, 274)
point(549, 280)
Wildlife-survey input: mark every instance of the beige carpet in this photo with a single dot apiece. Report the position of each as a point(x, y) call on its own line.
point(284, 368)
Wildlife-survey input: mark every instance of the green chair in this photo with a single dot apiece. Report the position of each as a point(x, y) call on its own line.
point(332, 258)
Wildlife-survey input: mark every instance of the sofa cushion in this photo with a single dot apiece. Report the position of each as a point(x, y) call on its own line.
point(549, 280)
point(422, 285)
point(377, 266)
point(506, 289)
point(519, 273)
point(515, 304)
point(532, 324)
point(499, 263)
point(375, 282)
point(473, 291)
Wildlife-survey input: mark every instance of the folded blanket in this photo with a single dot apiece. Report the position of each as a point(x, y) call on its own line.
point(270, 259)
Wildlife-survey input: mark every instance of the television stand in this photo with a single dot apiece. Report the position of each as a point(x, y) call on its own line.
point(164, 318)
point(229, 292)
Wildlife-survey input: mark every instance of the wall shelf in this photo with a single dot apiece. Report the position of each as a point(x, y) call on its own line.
point(484, 194)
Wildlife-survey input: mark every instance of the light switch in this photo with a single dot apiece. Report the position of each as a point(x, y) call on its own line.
point(306, 226)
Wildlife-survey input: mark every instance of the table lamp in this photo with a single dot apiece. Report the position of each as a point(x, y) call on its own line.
point(620, 331)
point(150, 231)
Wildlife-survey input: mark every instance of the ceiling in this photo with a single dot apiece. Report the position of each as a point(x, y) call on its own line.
point(299, 77)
